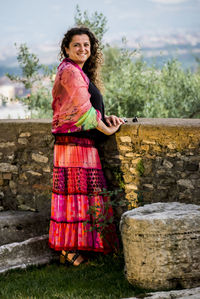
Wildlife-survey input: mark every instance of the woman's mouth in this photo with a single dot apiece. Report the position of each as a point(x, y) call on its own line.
point(82, 54)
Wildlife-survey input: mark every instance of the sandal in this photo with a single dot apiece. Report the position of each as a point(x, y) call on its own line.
point(65, 260)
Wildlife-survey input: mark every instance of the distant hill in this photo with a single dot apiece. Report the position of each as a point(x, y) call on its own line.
point(187, 60)
point(11, 70)
point(187, 55)
point(158, 56)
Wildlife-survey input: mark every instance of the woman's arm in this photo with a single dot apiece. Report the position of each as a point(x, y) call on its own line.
point(107, 130)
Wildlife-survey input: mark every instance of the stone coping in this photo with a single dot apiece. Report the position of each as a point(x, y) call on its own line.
point(163, 218)
point(174, 122)
point(163, 211)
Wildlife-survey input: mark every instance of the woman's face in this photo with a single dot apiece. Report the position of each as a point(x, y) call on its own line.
point(79, 49)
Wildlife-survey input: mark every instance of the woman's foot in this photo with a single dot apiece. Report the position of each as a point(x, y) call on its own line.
point(73, 258)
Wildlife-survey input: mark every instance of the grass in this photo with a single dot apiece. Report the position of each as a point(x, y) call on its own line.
point(102, 278)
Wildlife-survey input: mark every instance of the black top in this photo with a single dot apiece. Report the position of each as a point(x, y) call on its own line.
point(96, 100)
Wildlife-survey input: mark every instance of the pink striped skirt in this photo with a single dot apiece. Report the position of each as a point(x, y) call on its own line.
point(80, 206)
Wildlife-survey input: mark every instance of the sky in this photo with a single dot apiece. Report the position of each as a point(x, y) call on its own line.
point(41, 23)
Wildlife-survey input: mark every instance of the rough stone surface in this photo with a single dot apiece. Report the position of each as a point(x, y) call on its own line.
point(151, 157)
point(34, 173)
point(193, 293)
point(162, 152)
point(6, 144)
point(125, 139)
point(23, 141)
point(26, 165)
point(161, 245)
point(34, 251)
point(39, 158)
point(25, 134)
point(17, 226)
point(6, 167)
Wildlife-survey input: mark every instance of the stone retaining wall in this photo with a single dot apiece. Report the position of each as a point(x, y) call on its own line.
point(26, 152)
point(153, 160)
point(159, 160)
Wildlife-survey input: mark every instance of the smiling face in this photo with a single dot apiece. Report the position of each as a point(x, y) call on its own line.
point(79, 49)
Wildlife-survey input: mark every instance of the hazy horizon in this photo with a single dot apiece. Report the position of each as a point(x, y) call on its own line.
point(41, 24)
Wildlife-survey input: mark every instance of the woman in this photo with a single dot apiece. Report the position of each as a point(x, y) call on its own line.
point(78, 181)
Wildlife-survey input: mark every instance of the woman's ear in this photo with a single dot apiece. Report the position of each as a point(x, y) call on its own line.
point(66, 50)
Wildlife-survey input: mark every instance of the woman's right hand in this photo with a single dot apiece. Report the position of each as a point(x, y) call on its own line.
point(107, 130)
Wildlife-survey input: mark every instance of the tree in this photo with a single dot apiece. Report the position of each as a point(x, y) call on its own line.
point(38, 79)
point(131, 86)
point(29, 64)
point(97, 22)
point(134, 88)
point(178, 93)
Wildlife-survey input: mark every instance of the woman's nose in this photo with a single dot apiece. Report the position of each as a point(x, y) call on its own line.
point(82, 47)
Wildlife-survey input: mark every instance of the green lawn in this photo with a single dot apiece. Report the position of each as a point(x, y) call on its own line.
point(102, 278)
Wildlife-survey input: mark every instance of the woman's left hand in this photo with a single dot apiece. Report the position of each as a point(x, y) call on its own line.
point(113, 120)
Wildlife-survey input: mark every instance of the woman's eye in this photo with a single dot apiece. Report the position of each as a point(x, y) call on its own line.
point(85, 45)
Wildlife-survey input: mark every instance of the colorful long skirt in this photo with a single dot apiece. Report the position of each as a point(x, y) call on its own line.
point(81, 213)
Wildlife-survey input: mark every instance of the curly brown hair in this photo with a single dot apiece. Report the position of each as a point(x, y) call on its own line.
point(92, 66)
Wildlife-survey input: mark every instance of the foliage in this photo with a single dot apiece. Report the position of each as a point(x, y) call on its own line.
point(37, 78)
point(131, 86)
point(39, 102)
point(29, 64)
point(3, 100)
point(101, 219)
point(140, 167)
point(121, 76)
point(177, 93)
point(134, 88)
point(117, 175)
point(97, 22)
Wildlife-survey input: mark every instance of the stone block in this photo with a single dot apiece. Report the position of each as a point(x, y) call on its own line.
point(125, 139)
point(144, 147)
point(7, 167)
point(131, 187)
point(185, 183)
point(7, 176)
point(167, 164)
point(34, 251)
point(161, 244)
point(47, 169)
point(193, 293)
point(34, 173)
point(23, 141)
point(129, 155)
point(40, 158)
point(6, 144)
point(17, 226)
point(125, 148)
point(25, 134)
